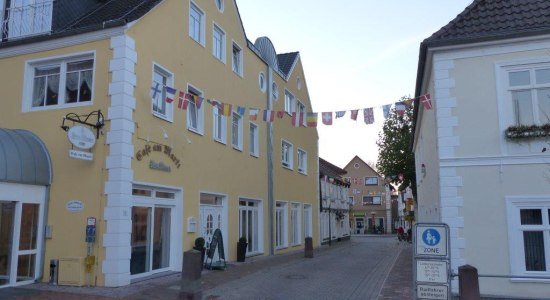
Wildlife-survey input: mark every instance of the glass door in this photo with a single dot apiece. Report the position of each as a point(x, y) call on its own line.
point(7, 213)
point(28, 249)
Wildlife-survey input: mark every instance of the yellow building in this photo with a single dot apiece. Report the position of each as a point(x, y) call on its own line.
point(148, 175)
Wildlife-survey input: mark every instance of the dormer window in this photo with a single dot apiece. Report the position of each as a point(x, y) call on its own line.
point(26, 18)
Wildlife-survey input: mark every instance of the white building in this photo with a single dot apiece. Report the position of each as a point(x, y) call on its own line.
point(488, 72)
point(335, 206)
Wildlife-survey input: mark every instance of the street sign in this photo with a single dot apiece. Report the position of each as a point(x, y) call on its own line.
point(433, 271)
point(431, 240)
point(424, 291)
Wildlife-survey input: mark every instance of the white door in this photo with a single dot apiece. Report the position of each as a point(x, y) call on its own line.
point(212, 219)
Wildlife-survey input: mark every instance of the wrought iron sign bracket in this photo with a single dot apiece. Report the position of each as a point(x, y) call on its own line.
point(84, 119)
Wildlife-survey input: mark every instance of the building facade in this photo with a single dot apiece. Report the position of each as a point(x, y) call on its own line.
point(480, 151)
point(334, 204)
point(371, 209)
point(138, 177)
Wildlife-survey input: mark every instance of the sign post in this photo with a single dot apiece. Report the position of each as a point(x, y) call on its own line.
point(432, 273)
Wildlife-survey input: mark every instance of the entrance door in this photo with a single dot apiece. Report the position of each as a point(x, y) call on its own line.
point(211, 218)
point(359, 225)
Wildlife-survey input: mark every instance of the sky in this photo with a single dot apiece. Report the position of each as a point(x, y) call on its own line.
point(356, 54)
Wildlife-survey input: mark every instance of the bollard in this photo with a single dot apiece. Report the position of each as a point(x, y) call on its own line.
point(191, 275)
point(468, 283)
point(308, 248)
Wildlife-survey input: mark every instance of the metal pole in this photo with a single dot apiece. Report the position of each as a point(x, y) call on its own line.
point(329, 222)
point(269, 136)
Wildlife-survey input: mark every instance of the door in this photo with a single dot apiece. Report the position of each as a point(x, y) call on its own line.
point(211, 219)
point(7, 215)
point(359, 224)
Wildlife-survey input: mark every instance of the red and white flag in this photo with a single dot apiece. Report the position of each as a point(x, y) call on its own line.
point(354, 114)
point(297, 119)
point(170, 94)
point(269, 115)
point(369, 115)
point(280, 114)
point(327, 118)
point(182, 101)
point(426, 101)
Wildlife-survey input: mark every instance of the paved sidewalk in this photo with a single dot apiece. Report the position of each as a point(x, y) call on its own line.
point(399, 283)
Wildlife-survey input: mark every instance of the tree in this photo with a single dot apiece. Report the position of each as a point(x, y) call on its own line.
point(394, 155)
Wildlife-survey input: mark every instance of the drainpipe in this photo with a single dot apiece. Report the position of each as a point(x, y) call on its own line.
point(43, 241)
point(269, 136)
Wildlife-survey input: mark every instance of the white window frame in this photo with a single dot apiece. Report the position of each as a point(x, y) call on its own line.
point(237, 140)
point(515, 236)
point(371, 177)
point(301, 108)
point(302, 161)
point(254, 140)
point(288, 161)
point(262, 82)
point(199, 129)
point(169, 116)
point(290, 102)
point(281, 230)
point(275, 91)
point(62, 60)
point(219, 133)
point(372, 203)
point(296, 223)
point(202, 24)
point(219, 56)
point(220, 5)
point(237, 67)
point(258, 207)
point(308, 222)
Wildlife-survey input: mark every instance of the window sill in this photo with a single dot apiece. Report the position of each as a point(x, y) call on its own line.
point(220, 141)
point(59, 106)
point(288, 168)
point(240, 149)
point(255, 155)
point(238, 74)
point(162, 117)
point(195, 131)
point(198, 42)
point(218, 59)
point(303, 173)
point(281, 247)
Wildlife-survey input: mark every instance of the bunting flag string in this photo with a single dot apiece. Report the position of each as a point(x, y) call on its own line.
point(297, 119)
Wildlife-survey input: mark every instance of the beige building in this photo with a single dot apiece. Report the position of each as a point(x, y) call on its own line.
point(137, 178)
point(371, 209)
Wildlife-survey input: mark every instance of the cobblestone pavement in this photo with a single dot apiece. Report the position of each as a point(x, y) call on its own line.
point(363, 268)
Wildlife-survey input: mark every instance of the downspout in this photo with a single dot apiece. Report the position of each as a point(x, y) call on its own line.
point(269, 136)
point(43, 241)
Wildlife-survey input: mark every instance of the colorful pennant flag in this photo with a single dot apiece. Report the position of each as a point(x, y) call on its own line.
point(155, 90)
point(297, 119)
point(182, 101)
point(170, 94)
point(241, 110)
point(386, 109)
point(354, 114)
point(408, 102)
point(426, 100)
point(311, 119)
point(253, 113)
point(400, 108)
point(340, 114)
point(227, 109)
point(369, 115)
point(269, 115)
point(327, 118)
point(280, 114)
point(198, 101)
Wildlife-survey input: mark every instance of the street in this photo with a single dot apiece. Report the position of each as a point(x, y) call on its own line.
point(366, 267)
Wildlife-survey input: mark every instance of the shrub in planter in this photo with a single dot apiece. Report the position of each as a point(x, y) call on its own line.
point(241, 249)
point(199, 246)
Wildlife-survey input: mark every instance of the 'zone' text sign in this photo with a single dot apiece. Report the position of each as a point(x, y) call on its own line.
point(431, 240)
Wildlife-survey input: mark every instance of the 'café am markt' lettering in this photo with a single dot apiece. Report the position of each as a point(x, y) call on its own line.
point(147, 149)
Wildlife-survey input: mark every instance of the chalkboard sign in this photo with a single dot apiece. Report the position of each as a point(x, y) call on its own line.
point(216, 242)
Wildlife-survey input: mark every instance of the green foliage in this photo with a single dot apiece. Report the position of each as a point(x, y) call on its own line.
point(199, 243)
point(394, 154)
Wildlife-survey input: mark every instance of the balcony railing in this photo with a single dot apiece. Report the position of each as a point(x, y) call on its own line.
point(27, 20)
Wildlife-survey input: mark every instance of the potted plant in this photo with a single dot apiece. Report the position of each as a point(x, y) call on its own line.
point(199, 246)
point(241, 249)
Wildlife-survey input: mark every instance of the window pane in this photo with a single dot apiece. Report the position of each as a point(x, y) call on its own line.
point(523, 107)
point(519, 78)
point(49, 70)
point(531, 217)
point(52, 89)
point(71, 87)
point(542, 76)
point(7, 211)
point(533, 242)
point(38, 92)
point(25, 267)
point(165, 195)
point(85, 86)
point(141, 192)
point(161, 239)
point(81, 65)
point(29, 227)
point(139, 260)
point(543, 97)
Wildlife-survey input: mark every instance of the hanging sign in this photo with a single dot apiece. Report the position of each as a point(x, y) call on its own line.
point(81, 155)
point(81, 137)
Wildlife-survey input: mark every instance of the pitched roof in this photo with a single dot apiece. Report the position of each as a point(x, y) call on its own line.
point(326, 168)
point(359, 158)
point(495, 19)
point(286, 62)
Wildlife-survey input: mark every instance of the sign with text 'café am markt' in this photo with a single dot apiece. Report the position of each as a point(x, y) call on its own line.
point(166, 150)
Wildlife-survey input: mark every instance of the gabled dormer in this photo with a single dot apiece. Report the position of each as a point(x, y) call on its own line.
point(23, 18)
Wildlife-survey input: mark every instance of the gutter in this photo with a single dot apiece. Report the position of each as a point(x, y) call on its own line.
point(269, 137)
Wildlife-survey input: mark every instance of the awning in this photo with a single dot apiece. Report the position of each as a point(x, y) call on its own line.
point(24, 158)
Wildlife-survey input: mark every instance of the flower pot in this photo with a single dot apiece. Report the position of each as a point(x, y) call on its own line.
point(241, 251)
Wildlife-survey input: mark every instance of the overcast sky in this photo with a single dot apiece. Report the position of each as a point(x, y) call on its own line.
point(356, 54)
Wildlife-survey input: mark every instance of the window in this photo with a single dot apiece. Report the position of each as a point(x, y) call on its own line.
point(218, 43)
point(295, 222)
point(275, 91)
point(281, 216)
point(376, 200)
point(237, 59)
point(530, 236)
point(24, 18)
point(220, 5)
point(302, 161)
point(307, 221)
point(195, 120)
point(371, 180)
point(289, 102)
point(196, 23)
point(287, 153)
point(59, 83)
point(351, 201)
point(261, 81)
point(250, 224)
point(220, 126)
point(299, 83)
point(237, 131)
point(356, 165)
point(530, 91)
point(301, 108)
point(254, 140)
point(161, 79)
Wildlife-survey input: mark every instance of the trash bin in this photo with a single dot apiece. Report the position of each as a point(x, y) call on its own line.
point(54, 269)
